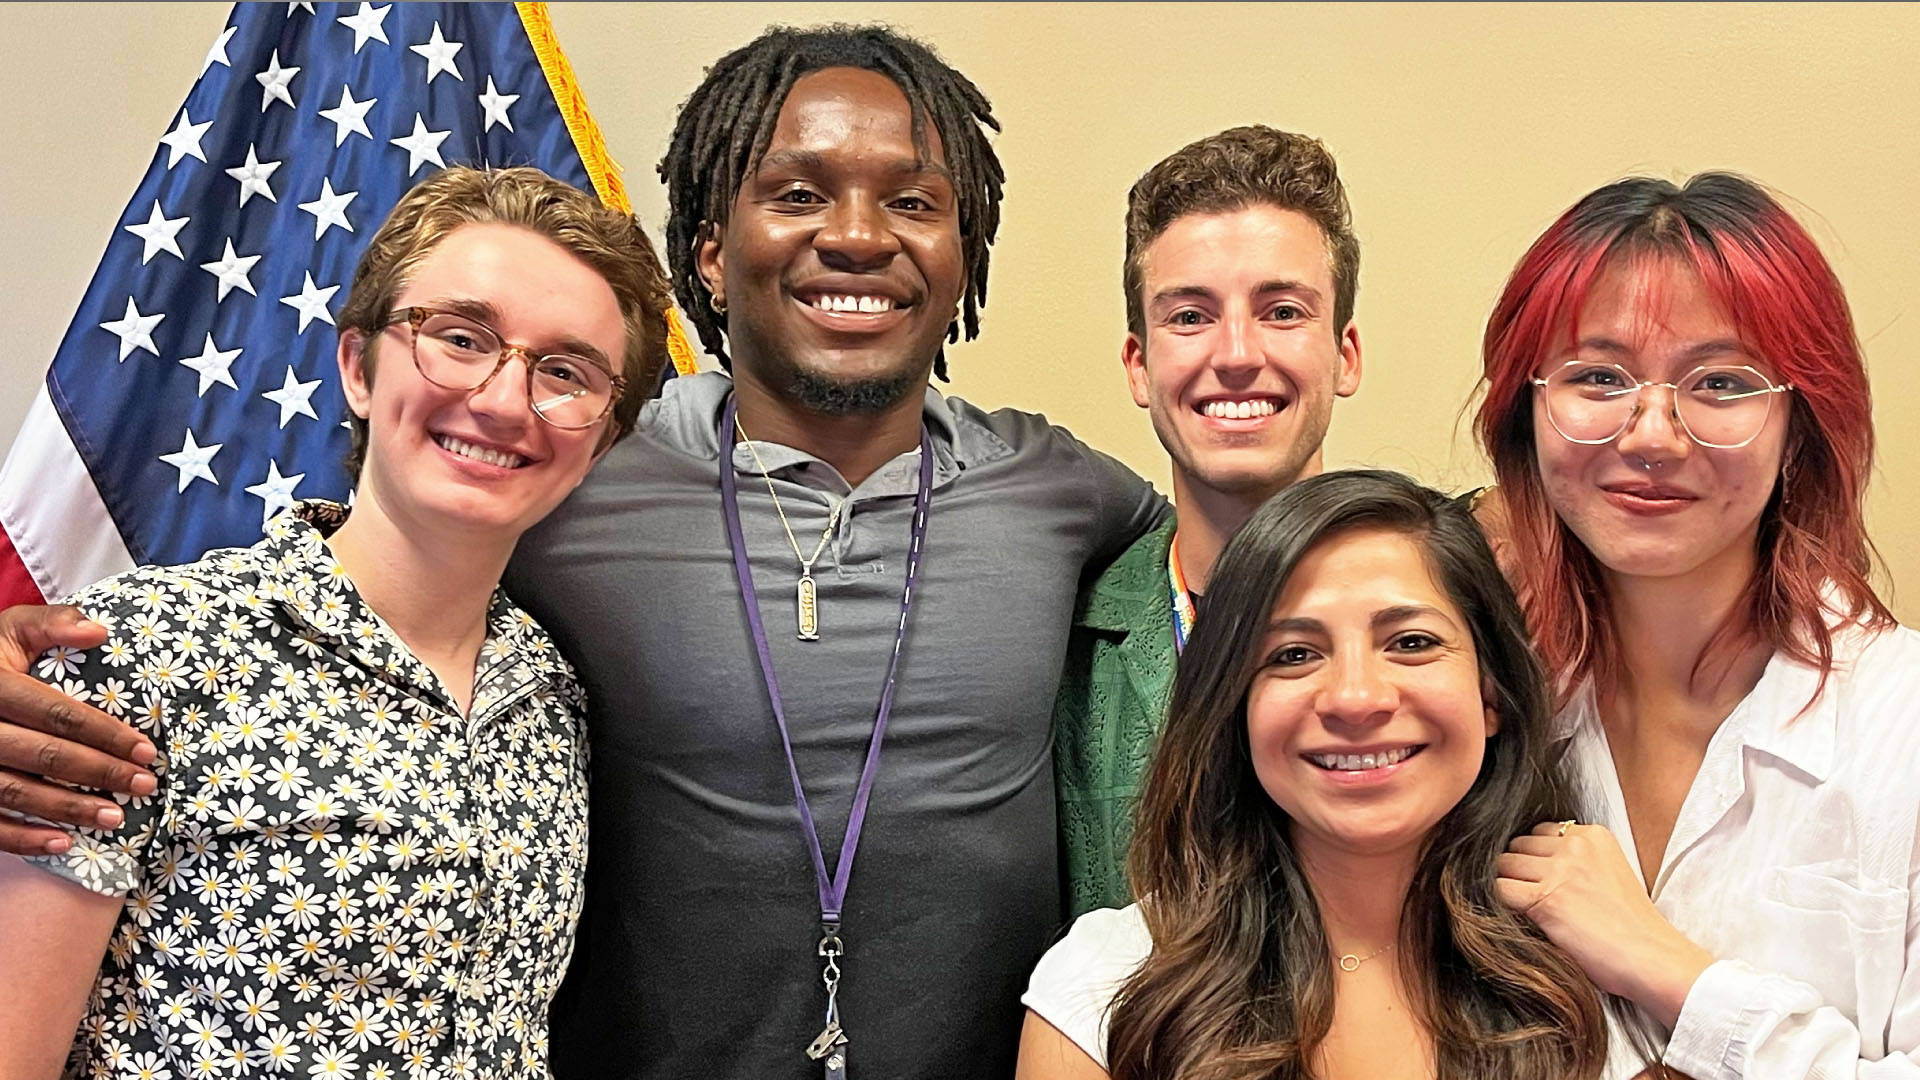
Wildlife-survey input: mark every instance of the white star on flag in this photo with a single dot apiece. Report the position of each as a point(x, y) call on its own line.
point(158, 233)
point(311, 304)
point(135, 330)
point(276, 491)
point(366, 25)
point(496, 104)
point(184, 139)
point(439, 53)
point(217, 54)
point(292, 398)
point(253, 177)
point(192, 460)
point(223, 306)
point(275, 81)
point(422, 146)
point(349, 117)
point(329, 209)
point(308, 4)
point(214, 365)
point(232, 270)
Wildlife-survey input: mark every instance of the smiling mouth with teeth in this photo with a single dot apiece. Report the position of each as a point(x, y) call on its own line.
point(1362, 762)
point(1240, 410)
point(479, 453)
point(864, 305)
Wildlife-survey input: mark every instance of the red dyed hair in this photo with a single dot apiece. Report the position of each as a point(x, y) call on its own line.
point(1790, 310)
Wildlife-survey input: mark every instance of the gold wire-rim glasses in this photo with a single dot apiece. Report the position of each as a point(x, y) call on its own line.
point(416, 317)
point(1635, 389)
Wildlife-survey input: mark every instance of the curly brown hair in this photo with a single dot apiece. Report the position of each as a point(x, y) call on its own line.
point(1241, 167)
point(605, 239)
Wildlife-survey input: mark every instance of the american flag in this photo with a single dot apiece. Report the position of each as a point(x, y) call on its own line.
point(195, 393)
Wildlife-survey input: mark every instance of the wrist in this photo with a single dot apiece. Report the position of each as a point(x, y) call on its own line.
point(1666, 977)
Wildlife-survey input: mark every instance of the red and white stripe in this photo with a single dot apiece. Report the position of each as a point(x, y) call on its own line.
point(55, 533)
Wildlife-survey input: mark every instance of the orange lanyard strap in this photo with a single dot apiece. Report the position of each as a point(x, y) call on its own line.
point(1183, 611)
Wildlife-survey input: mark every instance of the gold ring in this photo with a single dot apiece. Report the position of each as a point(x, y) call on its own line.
point(1565, 825)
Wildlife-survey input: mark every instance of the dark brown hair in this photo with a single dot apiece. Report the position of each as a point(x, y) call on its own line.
point(1240, 979)
point(607, 240)
point(1236, 169)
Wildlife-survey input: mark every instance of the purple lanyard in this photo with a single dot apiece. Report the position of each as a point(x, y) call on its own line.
point(833, 890)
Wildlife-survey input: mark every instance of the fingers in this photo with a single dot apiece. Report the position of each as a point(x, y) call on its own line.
point(20, 839)
point(33, 754)
point(1520, 896)
point(1522, 867)
point(29, 795)
point(28, 706)
point(27, 631)
point(1532, 844)
point(1557, 828)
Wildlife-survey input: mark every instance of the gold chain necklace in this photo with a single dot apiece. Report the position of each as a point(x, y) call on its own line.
point(1350, 962)
point(807, 596)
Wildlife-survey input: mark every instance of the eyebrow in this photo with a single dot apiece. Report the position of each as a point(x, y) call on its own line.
point(1180, 292)
point(1386, 616)
point(487, 312)
point(1202, 292)
point(1700, 351)
point(814, 161)
point(1283, 285)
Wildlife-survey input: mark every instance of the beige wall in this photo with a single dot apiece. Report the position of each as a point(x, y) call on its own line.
point(1462, 131)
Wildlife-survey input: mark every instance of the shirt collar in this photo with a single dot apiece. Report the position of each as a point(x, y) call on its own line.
point(299, 573)
point(1775, 718)
point(1785, 720)
point(687, 416)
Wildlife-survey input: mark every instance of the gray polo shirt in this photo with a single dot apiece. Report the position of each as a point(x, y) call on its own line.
point(696, 953)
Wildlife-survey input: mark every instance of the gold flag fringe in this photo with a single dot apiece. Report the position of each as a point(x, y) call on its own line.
point(592, 147)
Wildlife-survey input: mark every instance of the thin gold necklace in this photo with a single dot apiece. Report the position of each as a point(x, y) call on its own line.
point(806, 595)
point(1350, 962)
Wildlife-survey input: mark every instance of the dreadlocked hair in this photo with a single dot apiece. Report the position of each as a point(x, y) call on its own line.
point(726, 123)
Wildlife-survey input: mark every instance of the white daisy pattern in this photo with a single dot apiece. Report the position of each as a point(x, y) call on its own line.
point(340, 875)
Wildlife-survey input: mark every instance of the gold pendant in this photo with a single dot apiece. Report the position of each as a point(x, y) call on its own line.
point(809, 610)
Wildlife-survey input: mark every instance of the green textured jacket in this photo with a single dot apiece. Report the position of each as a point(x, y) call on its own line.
point(1113, 695)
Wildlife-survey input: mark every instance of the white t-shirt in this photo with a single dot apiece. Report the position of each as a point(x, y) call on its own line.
point(1794, 860)
point(1074, 985)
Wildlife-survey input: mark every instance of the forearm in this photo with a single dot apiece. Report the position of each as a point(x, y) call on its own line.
point(1665, 976)
point(51, 943)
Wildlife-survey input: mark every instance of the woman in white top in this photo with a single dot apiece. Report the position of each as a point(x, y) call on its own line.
point(1678, 414)
point(1357, 730)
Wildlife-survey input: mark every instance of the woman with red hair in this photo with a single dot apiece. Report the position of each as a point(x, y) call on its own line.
point(1678, 416)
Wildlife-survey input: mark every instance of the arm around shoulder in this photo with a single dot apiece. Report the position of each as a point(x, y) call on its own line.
point(44, 732)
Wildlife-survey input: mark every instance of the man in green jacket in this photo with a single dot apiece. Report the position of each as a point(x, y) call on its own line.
point(1241, 269)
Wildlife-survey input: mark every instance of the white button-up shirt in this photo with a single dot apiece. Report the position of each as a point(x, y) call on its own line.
point(1794, 861)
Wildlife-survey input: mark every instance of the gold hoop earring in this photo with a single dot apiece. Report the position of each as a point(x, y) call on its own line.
point(718, 305)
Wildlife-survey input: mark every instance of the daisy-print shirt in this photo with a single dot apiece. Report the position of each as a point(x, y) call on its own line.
point(340, 875)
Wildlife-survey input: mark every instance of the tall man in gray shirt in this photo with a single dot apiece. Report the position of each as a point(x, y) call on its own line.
point(825, 256)
point(832, 198)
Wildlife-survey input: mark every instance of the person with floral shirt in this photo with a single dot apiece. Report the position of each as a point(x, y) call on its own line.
point(365, 853)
